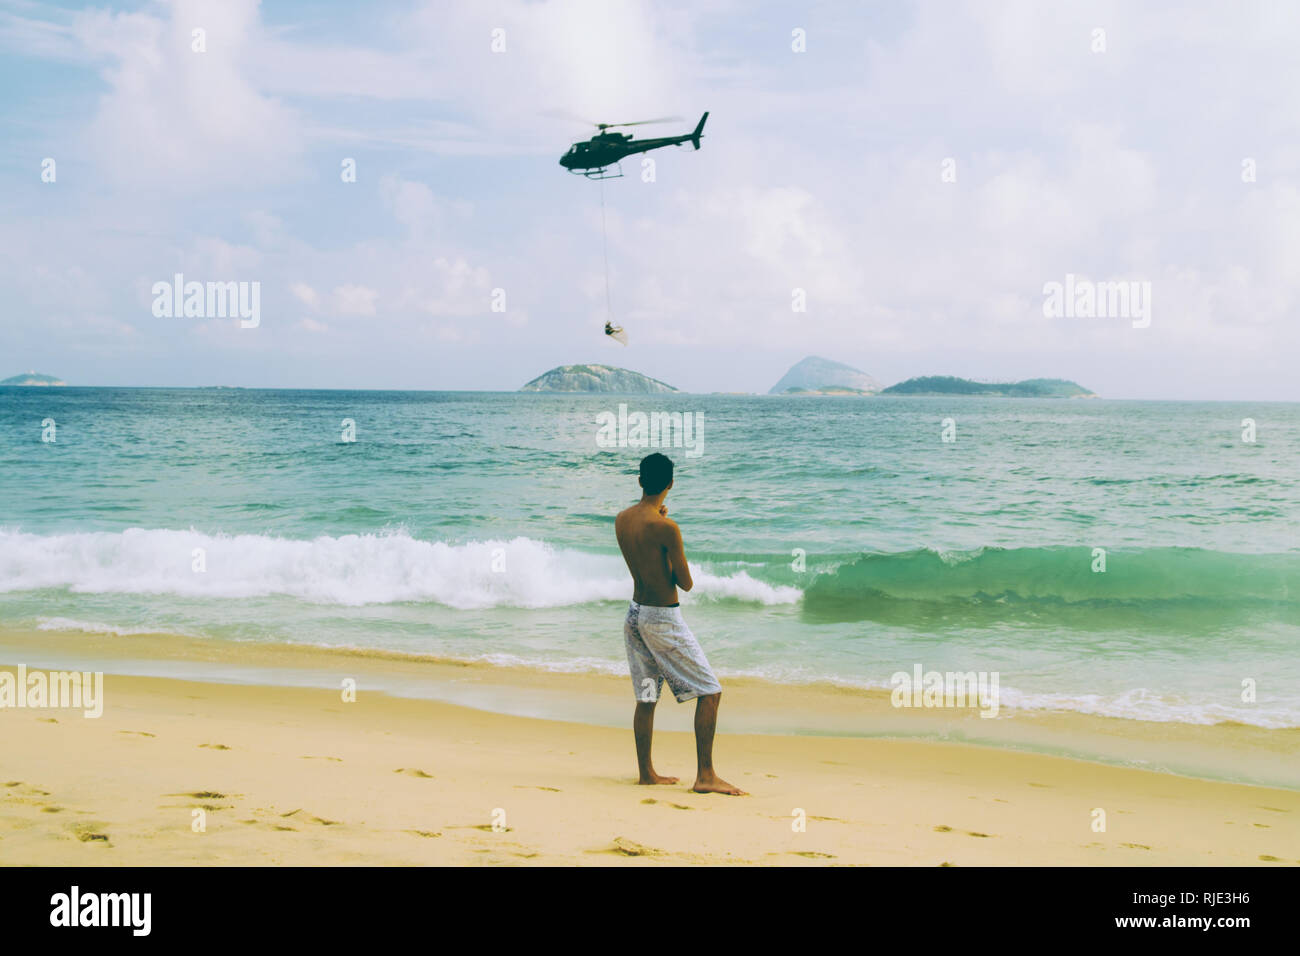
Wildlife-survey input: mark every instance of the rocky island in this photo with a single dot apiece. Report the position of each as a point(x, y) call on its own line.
point(819, 376)
point(597, 378)
point(32, 378)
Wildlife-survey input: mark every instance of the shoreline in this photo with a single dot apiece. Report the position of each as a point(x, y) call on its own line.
point(193, 773)
point(1224, 752)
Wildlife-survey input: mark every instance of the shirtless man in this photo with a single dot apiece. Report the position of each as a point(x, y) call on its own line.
point(659, 644)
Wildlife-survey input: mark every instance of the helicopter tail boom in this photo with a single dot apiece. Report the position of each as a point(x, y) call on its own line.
point(699, 131)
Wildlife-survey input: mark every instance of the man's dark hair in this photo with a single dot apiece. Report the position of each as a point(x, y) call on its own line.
point(656, 473)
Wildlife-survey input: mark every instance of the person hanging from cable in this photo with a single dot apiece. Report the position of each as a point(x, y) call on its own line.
point(616, 332)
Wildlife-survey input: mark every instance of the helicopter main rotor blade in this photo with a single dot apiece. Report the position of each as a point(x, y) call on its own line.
point(662, 119)
point(567, 115)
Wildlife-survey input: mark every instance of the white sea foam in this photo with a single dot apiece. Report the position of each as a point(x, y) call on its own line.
point(1141, 703)
point(95, 627)
point(350, 570)
point(1133, 704)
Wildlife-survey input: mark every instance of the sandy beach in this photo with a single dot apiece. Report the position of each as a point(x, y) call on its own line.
point(295, 775)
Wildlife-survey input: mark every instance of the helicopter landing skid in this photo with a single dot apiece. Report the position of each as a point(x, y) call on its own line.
point(602, 173)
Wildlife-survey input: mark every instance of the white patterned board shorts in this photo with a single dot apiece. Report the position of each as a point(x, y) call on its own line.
point(661, 647)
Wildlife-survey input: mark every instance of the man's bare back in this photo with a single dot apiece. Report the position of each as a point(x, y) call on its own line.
point(652, 547)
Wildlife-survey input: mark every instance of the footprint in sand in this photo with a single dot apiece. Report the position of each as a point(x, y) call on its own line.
point(276, 826)
point(27, 790)
point(427, 834)
point(335, 759)
point(547, 789)
point(813, 855)
point(682, 806)
point(215, 746)
point(630, 848)
point(205, 798)
point(974, 834)
point(1136, 846)
point(412, 772)
point(1270, 859)
point(139, 733)
point(47, 720)
point(89, 833)
point(942, 829)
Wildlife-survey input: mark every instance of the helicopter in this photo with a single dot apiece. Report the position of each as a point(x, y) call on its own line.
point(594, 157)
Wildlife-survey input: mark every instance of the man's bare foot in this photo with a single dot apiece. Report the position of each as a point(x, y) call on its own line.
point(654, 778)
point(712, 783)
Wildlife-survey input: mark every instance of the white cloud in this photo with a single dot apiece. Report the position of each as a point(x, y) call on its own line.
point(413, 205)
point(305, 294)
point(173, 117)
point(354, 300)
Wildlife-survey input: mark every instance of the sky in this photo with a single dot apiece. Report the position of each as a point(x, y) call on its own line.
point(914, 173)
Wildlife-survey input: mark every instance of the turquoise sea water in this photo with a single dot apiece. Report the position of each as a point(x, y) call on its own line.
point(480, 525)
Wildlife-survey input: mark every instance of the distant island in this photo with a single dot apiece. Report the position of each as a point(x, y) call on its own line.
point(1029, 388)
point(819, 376)
point(597, 378)
point(32, 378)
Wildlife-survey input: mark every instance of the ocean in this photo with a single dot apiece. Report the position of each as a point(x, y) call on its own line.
point(1129, 559)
